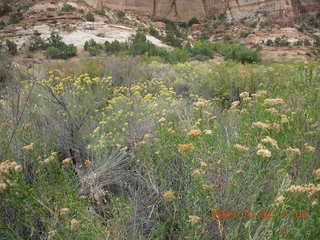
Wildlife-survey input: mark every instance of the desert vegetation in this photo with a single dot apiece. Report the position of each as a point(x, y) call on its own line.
point(123, 148)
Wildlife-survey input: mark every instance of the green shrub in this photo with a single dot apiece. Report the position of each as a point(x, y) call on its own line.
point(12, 47)
point(92, 47)
point(244, 34)
point(67, 8)
point(5, 8)
point(37, 43)
point(154, 32)
point(203, 48)
point(2, 24)
point(298, 43)
point(120, 14)
point(193, 20)
point(176, 56)
point(55, 40)
point(15, 18)
point(65, 52)
point(306, 43)
point(101, 12)
point(240, 53)
point(115, 47)
point(89, 17)
point(172, 39)
point(269, 42)
point(253, 25)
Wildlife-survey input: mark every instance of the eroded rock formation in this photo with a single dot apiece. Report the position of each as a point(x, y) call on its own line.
point(183, 10)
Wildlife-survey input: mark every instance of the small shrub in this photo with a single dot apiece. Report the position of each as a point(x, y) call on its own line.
point(4, 9)
point(253, 25)
point(244, 34)
point(306, 43)
point(203, 48)
point(227, 38)
point(120, 14)
point(242, 20)
point(89, 17)
point(269, 42)
point(240, 53)
point(37, 43)
point(101, 12)
point(15, 18)
point(172, 39)
point(193, 20)
point(115, 47)
point(12, 47)
point(154, 32)
point(2, 25)
point(67, 8)
point(222, 17)
point(177, 55)
point(55, 40)
point(65, 52)
point(92, 47)
point(298, 43)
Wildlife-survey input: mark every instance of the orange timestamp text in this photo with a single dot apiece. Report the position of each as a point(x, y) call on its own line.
point(264, 214)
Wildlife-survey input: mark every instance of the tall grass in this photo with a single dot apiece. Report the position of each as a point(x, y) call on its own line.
point(119, 149)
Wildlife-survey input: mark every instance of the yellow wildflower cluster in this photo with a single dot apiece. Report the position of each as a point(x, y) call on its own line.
point(198, 173)
point(292, 152)
point(5, 168)
point(280, 200)
point(309, 148)
point(49, 159)
point(185, 148)
point(200, 103)
point(74, 225)
point(263, 152)
point(260, 93)
point(245, 96)
point(194, 219)
point(310, 189)
point(80, 82)
point(240, 148)
point(194, 133)
point(317, 173)
point(234, 105)
point(28, 147)
point(64, 212)
point(169, 196)
point(271, 141)
point(266, 126)
point(273, 101)
point(273, 111)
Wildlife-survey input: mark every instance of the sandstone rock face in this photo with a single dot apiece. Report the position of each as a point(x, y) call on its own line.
point(183, 10)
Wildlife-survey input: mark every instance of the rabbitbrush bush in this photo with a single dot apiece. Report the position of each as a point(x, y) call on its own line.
point(109, 150)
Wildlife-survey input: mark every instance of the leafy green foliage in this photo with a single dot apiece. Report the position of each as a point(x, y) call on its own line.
point(2, 24)
point(89, 17)
point(92, 47)
point(5, 8)
point(154, 32)
point(67, 8)
point(12, 47)
point(37, 43)
point(115, 47)
point(15, 18)
point(193, 20)
point(57, 49)
point(64, 52)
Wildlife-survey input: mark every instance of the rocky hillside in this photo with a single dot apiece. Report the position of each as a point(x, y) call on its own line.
point(282, 30)
point(282, 11)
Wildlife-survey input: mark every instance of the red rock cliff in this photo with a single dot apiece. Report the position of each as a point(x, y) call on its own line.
point(183, 10)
